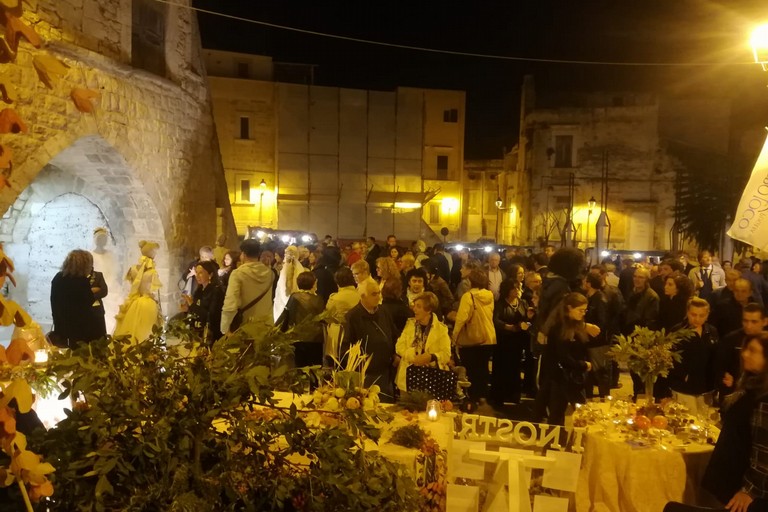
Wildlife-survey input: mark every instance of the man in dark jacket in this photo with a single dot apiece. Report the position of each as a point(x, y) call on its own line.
point(374, 251)
point(727, 352)
point(373, 327)
point(642, 305)
point(727, 313)
point(324, 272)
point(694, 375)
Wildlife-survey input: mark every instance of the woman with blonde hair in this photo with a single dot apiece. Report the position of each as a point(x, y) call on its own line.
point(386, 268)
point(287, 282)
point(474, 334)
point(141, 310)
point(424, 340)
point(76, 293)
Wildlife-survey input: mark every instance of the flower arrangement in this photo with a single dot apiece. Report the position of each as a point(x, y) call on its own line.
point(649, 353)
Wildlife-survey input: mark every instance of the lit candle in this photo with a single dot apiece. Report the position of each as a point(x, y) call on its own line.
point(433, 410)
point(41, 356)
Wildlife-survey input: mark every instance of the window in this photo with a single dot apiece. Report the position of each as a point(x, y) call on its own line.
point(148, 36)
point(564, 151)
point(245, 191)
point(442, 167)
point(434, 213)
point(473, 205)
point(245, 128)
point(242, 70)
point(451, 115)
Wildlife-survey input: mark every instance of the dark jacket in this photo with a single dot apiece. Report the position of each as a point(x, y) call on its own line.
point(444, 296)
point(597, 313)
point(376, 331)
point(374, 253)
point(440, 260)
point(399, 312)
point(726, 315)
point(728, 360)
point(565, 362)
point(300, 307)
point(642, 309)
point(724, 475)
point(504, 313)
point(75, 318)
point(553, 289)
point(695, 373)
point(205, 311)
point(671, 311)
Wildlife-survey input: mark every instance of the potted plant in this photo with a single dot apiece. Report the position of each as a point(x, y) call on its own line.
point(648, 353)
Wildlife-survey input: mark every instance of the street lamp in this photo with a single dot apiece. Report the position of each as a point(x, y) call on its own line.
point(759, 42)
point(591, 206)
point(263, 187)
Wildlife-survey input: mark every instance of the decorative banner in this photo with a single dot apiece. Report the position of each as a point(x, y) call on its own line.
point(751, 223)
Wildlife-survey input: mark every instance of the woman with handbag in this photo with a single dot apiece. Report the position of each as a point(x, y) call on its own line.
point(424, 343)
point(474, 334)
point(565, 360)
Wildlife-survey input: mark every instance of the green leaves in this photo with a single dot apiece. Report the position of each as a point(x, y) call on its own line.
point(143, 434)
point(649, 353)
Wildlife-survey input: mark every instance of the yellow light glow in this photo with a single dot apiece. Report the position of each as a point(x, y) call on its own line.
point(759, 42)
point(450, 205)
point(406, 206)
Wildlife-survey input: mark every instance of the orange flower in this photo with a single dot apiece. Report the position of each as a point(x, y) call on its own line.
point(7, 422)
point(19, 351)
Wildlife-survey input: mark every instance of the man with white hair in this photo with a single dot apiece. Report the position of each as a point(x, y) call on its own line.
point(495, 274)
point(372, 326)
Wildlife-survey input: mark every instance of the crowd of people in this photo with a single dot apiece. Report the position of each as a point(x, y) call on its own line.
point(514, 324)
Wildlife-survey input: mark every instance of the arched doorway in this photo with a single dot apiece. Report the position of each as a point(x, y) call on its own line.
point(87, 185)
point(56, 229)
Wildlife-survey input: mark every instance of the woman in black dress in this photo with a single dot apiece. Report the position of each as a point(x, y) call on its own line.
point(736, 471)
point(510, 318)
point(565, 360)
point(76, 293)
point(672, 305)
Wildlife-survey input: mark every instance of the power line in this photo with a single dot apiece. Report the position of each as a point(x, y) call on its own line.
point(448, 52)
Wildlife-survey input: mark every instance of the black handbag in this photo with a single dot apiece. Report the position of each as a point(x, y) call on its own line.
point(441, 384)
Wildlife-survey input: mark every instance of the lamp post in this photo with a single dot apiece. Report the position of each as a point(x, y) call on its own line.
point(263, 187)
point(591, 206)
point(499, 203)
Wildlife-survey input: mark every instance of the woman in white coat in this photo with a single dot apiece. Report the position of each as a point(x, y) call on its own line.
point(424, 340)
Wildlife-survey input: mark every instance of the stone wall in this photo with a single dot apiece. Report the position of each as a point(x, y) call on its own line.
point(147, 158)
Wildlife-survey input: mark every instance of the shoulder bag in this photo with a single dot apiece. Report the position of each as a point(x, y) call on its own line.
point(472, 333)
point(237, 320)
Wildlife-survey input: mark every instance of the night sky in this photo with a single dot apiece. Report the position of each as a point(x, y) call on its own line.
point(666, 31)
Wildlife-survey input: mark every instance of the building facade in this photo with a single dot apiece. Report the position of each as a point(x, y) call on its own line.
point(329, 160)
point(578, 147)
point(119, 133)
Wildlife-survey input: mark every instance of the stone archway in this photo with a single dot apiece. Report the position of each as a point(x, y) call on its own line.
point(87, 185)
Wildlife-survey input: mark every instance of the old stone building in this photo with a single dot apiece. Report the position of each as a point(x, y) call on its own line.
point(144, 163)
point(625, 134)
point(338, 161)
